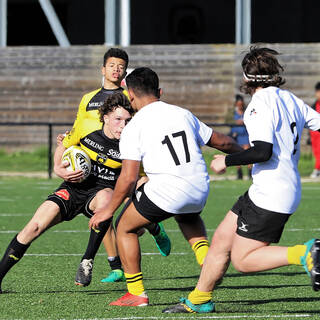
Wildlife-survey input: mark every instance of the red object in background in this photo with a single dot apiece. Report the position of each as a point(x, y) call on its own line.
point(315, 142)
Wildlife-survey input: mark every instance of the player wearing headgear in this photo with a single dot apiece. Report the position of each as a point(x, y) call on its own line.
point(274, 120)
point(115, 63)
point(73, 197)
point(167, 139)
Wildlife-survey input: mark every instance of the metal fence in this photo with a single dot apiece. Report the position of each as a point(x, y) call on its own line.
point(51, 125)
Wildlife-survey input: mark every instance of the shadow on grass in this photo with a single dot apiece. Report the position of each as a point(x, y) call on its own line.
point(304, 311)
point(258, 302)
point(89, 292)
point(284, 274)
point(238, 275)
point(265, 301)
point(280, 286)
point(245, 287)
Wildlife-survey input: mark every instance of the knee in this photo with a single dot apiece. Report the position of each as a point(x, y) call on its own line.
point(239, 264)
point(103, 198)
point(221, 236)
point(125, 228)
point(33, 229)
point(222, 240)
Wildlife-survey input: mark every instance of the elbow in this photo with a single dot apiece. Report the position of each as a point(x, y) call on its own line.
point(263, 151)
point(268, 152)
point(268, 156)
point(265, 155)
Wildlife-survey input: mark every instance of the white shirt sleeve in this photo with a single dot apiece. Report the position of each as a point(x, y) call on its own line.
point(129, 143)
point(259, 122)
point(204, 132)
point(312, 118)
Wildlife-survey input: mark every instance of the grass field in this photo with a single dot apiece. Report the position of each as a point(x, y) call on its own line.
point(37, 160)
point(42, 286)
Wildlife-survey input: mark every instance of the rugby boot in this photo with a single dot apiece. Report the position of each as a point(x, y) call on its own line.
point(84, 273)
point(185, 306)
point(131, 300)
point(116, 275)
point(162, 241)
point(311, 262)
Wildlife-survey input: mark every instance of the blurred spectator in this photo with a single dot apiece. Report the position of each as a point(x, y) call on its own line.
point(315, 136)
point(240, 134)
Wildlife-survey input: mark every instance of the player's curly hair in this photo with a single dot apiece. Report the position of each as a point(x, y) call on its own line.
point(261, 69)
point(114, 101)
point(116, 53)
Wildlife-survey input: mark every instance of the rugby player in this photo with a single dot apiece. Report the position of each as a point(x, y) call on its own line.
point(167, 139)
point(274, 119)
point(74, 197)
point(115, 63)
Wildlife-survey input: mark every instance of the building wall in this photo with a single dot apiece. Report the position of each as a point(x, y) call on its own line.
point(166, 21)
point(45, 84)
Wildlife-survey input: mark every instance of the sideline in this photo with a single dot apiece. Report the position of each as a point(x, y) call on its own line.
point(44, 174)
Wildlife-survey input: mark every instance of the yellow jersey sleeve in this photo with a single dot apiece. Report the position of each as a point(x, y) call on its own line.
point(73, 137)
point(83, 128)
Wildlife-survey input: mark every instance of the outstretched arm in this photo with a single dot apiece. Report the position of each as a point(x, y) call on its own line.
point(223, 143)
point(260, 152)
point(124, 186)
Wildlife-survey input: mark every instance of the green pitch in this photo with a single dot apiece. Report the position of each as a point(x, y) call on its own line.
point(42, 286)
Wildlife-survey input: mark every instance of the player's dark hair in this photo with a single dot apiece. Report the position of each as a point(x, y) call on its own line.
point(114, 101)
point(317, 86)
point(116, 53)
point(144, 82)
point(238, 97)
point(261, 69)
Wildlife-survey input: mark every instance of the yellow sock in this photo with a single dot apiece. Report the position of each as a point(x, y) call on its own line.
point(199, 297)
point(294, 254)
point(200, 249)
point(134, 283)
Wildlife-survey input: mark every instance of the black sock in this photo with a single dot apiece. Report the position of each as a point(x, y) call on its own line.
point(115, 263)
point(13, 254)
point(95, 239)
point(153, 228)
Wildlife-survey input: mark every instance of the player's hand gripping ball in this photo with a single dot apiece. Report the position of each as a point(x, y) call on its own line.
point(78, 159)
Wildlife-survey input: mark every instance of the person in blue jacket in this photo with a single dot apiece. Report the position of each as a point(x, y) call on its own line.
point(240, 134)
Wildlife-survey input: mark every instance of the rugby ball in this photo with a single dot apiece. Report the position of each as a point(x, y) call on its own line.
point(78, 159)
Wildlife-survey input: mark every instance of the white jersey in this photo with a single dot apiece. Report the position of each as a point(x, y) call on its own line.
point(278, 117)
point(167, 139)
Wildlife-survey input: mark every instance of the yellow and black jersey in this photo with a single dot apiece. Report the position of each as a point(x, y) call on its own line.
point(88, 108)
point(103, 151)
point(88, 119)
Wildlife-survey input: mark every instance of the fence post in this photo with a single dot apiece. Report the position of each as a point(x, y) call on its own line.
point(50, 151)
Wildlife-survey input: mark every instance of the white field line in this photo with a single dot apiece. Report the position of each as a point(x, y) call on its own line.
point(98, 254)
point(167, 230)
point(278, 316)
